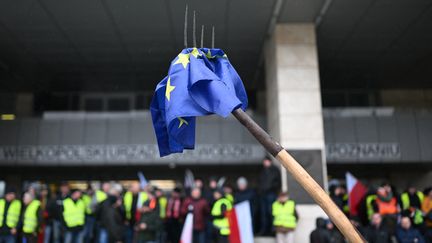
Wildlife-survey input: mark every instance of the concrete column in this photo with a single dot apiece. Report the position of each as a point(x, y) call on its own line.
point(294, 110)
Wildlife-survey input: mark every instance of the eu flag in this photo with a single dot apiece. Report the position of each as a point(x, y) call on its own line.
point(200, 82)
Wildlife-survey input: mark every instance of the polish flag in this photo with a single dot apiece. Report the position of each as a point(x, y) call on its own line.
point(356, 192)
point(240, 222)
point(186, 235)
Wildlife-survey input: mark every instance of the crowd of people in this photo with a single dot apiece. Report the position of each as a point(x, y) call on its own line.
point(383, 216)
point(141, 213)
point(111, 213)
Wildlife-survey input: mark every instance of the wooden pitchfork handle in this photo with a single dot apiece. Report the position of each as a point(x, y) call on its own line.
point(301, 176)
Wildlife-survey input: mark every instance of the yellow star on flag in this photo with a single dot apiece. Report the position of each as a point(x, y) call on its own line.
point(182, 121)
point(169, 89)
point(208, 55)
point(183, 59)
point(195, 52)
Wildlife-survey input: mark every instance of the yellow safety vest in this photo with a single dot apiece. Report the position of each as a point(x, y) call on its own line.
point(369, 206)
point(229, 197)
point(13, 213)
point(221, 223)
point(406, 202)
point(418, 217)
point(162, 207)
point(74, 212)
point(100, 196)
point(284, 214)
point(87, 201)
point(345, 199)
point(30, 221)
point(128, 199)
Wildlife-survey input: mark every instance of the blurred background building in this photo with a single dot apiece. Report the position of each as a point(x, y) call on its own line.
point(345, 85)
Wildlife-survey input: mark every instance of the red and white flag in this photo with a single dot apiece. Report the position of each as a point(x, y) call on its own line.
point(240, 221)
point(186, 235)
point(356, 192)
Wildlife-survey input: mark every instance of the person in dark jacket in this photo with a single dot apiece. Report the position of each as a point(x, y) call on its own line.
point(337, 194)
point(173, 217)
point(111, 218)
point(320, 234)
point(377, 231)
point(244, 193)
point(405, 233)
point(149, 223)
point(269, 185)
point(208, 196)
point(335, 235)
point(200, 209)
point(54, 210)
point(208, 192)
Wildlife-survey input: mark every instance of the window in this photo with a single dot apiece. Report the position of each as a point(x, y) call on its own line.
point(118, 104)
point(93, 104)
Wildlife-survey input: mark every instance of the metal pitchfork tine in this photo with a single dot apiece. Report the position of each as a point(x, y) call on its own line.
point(194, 42)
point(185, 27)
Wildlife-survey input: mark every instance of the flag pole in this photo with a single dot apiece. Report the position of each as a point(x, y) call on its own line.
point(301, 176)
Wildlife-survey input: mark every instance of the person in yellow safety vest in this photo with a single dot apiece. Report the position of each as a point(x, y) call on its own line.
point(90, 219)
point(229, 193)
point(101, 195)
point(370, 200)
point(133, 200)
point(10, 210)
point(74, 210)
point(345, 198)
point(31, 218)
point(411, 202)
point(337, 194)
point(284, 218)
point(162, 202)
point(220, 221)
point(412, 198)
point(427, 207)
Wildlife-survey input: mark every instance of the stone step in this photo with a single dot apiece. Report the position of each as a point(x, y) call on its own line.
point(264, 240)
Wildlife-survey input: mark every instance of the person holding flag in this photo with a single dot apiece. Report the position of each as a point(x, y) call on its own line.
point(356, 193)
point(199, 208)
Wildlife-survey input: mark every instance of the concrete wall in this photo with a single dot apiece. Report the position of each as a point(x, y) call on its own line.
point(408, 131)
point(294, 110)
point(79, 138)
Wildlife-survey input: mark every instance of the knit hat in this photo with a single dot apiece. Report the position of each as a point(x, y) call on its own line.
point(10, 189)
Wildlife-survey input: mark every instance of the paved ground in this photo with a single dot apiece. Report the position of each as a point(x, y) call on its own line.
point(264, 240)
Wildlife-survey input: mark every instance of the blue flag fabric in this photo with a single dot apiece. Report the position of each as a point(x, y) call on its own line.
point(200, 82)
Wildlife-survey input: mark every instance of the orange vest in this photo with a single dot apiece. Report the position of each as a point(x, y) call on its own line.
point(387, 207)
